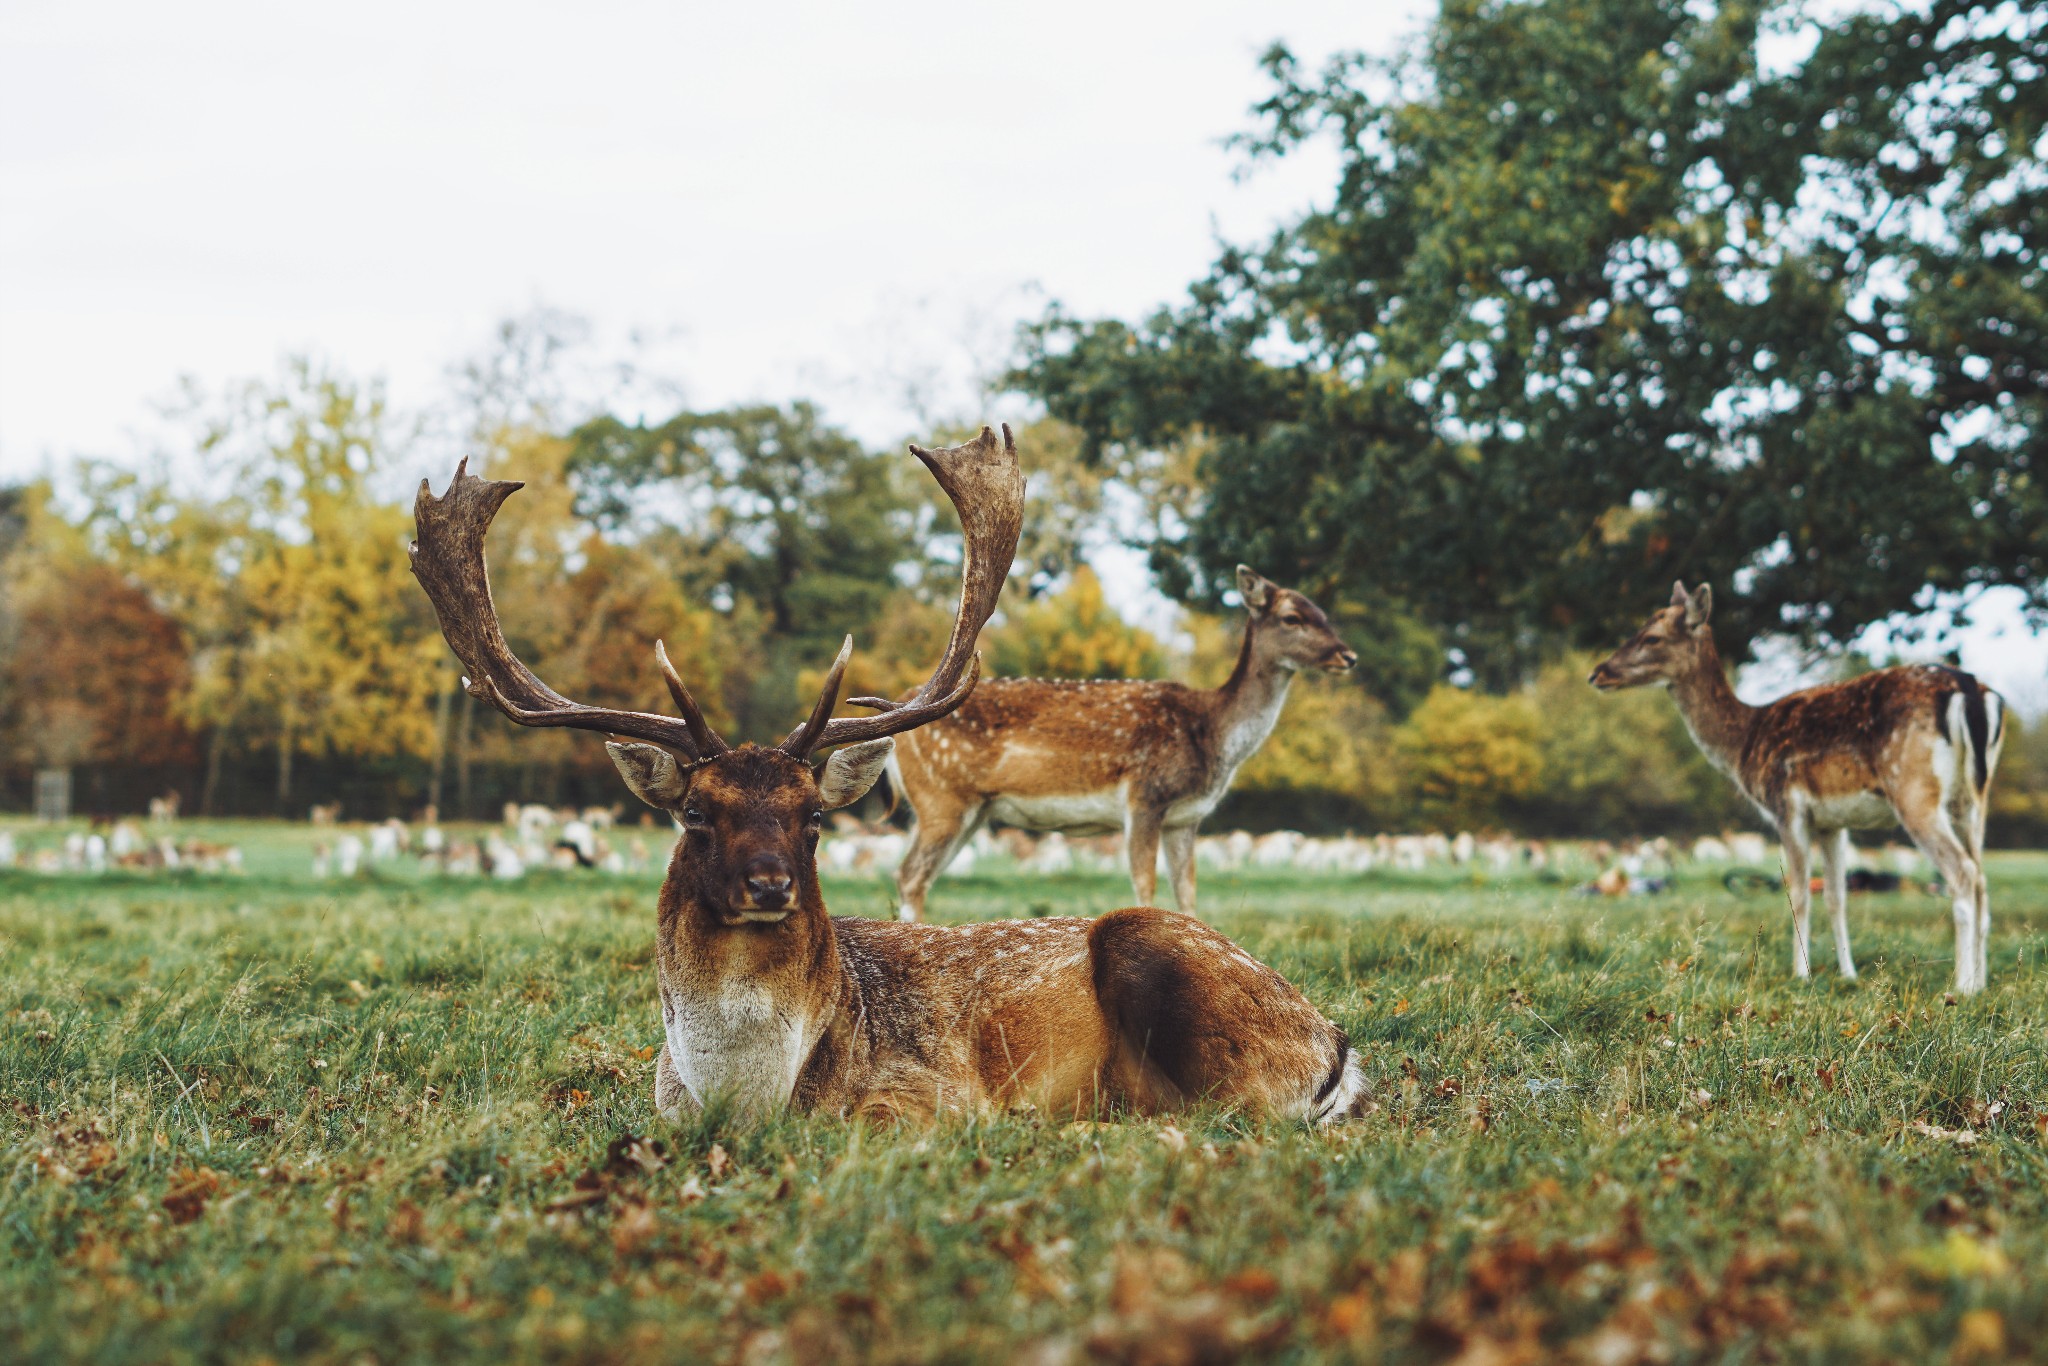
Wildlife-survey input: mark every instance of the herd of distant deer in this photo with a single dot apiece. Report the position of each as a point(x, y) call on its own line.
point(769, 1002)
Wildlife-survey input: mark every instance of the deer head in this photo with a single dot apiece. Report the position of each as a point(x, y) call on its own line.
point(1674, 642)
point(1288, 630)
point(750, 816)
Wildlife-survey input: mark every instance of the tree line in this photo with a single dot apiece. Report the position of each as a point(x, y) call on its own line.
point(1607, 293)
point(238, 623)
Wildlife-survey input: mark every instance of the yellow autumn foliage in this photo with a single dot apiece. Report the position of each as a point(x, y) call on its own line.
point(1073, 633)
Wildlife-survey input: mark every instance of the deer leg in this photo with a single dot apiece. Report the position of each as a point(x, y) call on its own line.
point(1983, 926)
point(1972, 824)
point(1792, 847)
point(1180, 865)
point(1141, 846)
point(1932, 810)
point(1834, 864)
point(934, 840)
point(1935, 833)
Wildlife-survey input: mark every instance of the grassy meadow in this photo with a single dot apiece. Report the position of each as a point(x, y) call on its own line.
point(403, 1118)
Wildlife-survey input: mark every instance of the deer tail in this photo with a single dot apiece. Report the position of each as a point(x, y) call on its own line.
point(1973, 719)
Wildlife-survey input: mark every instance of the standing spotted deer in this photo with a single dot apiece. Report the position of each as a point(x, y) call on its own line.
point(769, 1002)
point(1149, 759)
point(1916, 745)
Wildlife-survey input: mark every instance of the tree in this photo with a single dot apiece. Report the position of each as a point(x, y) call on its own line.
point(290, 574)
point(90, 669)
point(767, 514)
point(1467, 758)
point(1603, 298)
point(1073, 633)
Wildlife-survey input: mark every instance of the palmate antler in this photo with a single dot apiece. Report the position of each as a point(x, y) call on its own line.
point(981, 478)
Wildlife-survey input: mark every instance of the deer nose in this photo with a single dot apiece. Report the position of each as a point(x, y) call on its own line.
point(1341, 659)
point(768, 879)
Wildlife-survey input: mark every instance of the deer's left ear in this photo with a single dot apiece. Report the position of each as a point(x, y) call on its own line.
point(1255, 589)
point(1699, 607)
point(851, 771)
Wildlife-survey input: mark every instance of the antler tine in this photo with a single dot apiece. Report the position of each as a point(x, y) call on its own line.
point(804, 738)
point(986, 487)
point(448, 560)
point(707, 740)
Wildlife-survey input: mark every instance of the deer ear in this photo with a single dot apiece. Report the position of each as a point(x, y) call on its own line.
point(851, 771)
point(1678, 595)
point(1255, 590)
point(651, 771)
point(1699, 607)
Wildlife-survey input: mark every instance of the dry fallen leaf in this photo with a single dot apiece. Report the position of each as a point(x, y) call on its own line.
point(407, 1224)
point(764, 1286)
point(1253, 1283)
point(629, 1154)
point(190, 1189)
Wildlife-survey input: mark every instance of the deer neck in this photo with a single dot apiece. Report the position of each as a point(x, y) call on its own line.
point(1719, 721)
point(1249, 702)
point(744, 1006)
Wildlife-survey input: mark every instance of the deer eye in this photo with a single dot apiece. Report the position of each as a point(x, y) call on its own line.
point(816, 820)
point(1290, 620)
point(693, 818)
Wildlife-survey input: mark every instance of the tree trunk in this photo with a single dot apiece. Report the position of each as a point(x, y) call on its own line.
point(284, 771)
point(462, 802)
point(442, 705)
point(216, 750)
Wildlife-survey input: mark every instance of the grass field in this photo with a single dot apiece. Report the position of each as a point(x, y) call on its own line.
point(392, 1120)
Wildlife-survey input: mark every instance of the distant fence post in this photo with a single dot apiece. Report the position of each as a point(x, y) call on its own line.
point(53, 794)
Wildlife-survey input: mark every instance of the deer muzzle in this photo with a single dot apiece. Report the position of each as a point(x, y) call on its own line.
point(767, 888)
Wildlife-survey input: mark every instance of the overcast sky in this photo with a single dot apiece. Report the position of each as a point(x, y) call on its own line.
point(853, 203)
point(806, 198)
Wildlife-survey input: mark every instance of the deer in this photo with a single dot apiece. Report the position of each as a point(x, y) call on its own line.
point(768, 1003)
point(1914, 745)
point(1150, 759)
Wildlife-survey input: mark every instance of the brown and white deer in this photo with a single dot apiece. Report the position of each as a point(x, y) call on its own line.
point(1150, 759)
point(768, 1001)
point(1916, 745)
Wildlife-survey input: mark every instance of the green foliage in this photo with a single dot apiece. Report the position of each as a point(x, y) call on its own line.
point(764, 511)
point(1593, 1135)
point(1601, 300)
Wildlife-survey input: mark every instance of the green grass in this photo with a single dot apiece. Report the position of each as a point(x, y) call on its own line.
point(263, 1117)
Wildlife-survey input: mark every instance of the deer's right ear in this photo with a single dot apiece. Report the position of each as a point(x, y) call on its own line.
point(651, 771)
point(1256, 591)
point(851, 771)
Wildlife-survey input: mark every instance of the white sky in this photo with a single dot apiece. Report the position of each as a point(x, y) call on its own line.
point(798, 199)
point(827, 200)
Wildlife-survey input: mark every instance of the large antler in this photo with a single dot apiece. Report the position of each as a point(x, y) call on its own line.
point(987, 488)
point(448, 560)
